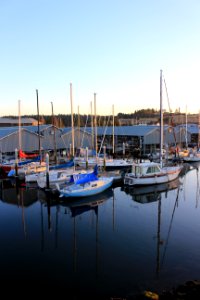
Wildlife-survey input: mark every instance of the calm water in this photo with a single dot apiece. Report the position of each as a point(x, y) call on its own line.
point(116, 245)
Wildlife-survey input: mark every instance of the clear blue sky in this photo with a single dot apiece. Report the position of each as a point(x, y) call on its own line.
point(114, 48)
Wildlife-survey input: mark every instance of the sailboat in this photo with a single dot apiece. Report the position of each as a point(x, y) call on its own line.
point(148, 173)
point(86, 185)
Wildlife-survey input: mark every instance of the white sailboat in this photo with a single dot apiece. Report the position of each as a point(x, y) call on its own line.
point(149, 173)
point(87, 185)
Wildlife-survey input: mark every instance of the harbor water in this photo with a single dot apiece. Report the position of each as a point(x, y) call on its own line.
point(114, 245)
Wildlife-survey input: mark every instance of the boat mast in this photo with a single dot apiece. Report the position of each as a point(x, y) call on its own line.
point(72, 121)
point(92, 127)
point(54, 133)
point(19, 114)
point(38, 126)
point(113, 129)
point(186, 122)
point(79, 127)
point(161, 119)
point(198, 144)
point(95, 124)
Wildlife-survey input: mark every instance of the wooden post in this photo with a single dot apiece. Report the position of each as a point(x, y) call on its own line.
point(123, 150)
point(16, 162)
point(104, 157)
point(86, 157)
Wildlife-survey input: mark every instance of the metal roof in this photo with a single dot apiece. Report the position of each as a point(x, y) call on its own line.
point(67, 130)
point(34, 128)
point(5, 131)
point(135, 130)
point(191, 128)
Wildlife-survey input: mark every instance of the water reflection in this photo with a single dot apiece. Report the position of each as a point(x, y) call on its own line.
point(82, 219)
point(17, 194)
point(80, 205)
point(155, 193)
point(146, 194)
point(102, 245)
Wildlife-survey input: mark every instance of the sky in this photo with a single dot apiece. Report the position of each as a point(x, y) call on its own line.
point(112, 48)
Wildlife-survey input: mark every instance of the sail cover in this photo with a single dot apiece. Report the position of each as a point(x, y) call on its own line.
point(86, 177)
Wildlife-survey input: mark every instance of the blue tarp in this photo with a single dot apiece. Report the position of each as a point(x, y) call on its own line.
point(86, 177)
point(11, 173)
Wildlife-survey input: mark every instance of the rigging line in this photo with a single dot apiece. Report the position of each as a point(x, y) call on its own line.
point(102, 141)
point(104, 122)
point(84, 132)
point(170, 226)
point(167, 95)
point(64, 142)
point(170, 110)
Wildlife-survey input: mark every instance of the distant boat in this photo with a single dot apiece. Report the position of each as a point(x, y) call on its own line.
point(8, 168)
point(107, 163)
point(193, 156)
point(31, 171)
point(116, 164)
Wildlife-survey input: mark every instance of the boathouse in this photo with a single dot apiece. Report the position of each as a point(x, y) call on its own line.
point(142, 138)
point(10, 139)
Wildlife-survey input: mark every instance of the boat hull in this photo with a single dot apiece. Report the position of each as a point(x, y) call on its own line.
point(168, 174)
point(89, 189)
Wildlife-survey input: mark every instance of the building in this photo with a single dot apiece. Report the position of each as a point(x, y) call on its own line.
point(11, 139)
point(10, 122)
point(118, 140)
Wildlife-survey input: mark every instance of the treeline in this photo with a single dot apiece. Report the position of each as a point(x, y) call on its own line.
point(62, 120)
point(143, 113)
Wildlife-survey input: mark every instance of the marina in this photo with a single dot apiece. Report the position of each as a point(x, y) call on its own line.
point(100, 150)
point(114, 245)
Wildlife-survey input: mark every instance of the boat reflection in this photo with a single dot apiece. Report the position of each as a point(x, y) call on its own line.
point(187, 167)
point(16, 194)
point(151, 193)
point(73, 207)
point(154, 193)
point(13, 193)
point(80, 205)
